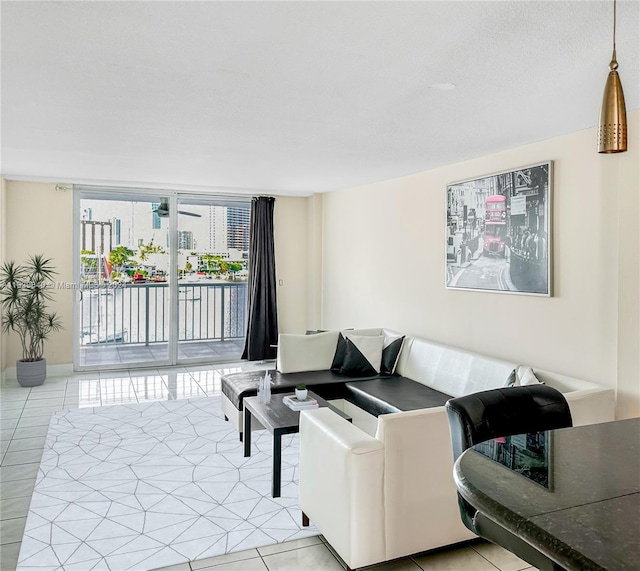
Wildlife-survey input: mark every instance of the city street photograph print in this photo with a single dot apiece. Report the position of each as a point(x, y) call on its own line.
point(498, 232)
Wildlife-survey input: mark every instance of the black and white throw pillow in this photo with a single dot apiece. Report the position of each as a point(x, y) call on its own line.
point(390, 353)
point(338, 357)
point(363, 355)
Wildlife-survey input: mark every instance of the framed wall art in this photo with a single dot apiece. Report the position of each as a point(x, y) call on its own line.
point(498, 232)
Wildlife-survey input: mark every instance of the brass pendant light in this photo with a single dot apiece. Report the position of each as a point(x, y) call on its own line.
point(612, 132)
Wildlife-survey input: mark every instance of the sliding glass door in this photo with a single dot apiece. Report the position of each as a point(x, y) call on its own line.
point(161, 279)
point(212, 250)
point(123, 302)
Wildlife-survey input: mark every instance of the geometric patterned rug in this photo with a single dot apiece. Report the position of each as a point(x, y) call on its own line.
point(143, 486)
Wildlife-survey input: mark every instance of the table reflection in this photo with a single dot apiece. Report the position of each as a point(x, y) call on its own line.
point(525, 454)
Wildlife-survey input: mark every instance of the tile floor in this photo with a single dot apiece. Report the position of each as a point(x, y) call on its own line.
point(24, 419)
point(122, 354)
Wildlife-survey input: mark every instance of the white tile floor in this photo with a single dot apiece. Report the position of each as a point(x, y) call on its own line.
point(118, 353)
point(24, 419)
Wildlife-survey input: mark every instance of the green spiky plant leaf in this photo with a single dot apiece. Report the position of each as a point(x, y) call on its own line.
point(25, 291)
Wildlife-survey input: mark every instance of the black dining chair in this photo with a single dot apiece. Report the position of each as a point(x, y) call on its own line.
point(491, 414)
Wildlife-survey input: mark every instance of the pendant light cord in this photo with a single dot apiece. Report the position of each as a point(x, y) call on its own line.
point(614, 61)
point(614, 25)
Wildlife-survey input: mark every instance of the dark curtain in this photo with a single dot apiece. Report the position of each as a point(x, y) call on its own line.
point(262, 325)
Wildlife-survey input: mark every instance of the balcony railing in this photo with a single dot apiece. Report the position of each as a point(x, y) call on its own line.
point(131, 314)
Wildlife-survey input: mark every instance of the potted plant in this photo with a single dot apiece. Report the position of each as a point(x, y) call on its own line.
point(301, 391)
point(24, 293)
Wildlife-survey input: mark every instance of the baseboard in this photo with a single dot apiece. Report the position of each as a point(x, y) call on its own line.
point(63, 370)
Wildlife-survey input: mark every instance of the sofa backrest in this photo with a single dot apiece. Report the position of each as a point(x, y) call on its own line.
point(299, 353)
point(450, 370)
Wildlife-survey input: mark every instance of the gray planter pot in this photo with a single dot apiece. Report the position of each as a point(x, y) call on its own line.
point(31, 373)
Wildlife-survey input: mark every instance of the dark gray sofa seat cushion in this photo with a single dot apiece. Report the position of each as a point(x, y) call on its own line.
point(327, 384)
point(392, 394)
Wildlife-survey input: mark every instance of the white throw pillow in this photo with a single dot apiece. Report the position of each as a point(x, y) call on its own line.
point(526, 376)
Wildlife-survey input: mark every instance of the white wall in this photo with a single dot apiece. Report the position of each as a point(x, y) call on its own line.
point(290, 229)
point(383, 264)
point(3, 247)
point(628, 176)
point(314, 262)
point(39, 220)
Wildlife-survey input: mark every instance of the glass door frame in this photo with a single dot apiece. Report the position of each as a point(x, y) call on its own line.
point(81, 192)
point(174, 197)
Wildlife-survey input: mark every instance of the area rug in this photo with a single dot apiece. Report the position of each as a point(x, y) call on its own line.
point(149, 485)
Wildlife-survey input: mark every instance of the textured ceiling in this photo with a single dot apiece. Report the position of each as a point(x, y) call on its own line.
point(296, 97)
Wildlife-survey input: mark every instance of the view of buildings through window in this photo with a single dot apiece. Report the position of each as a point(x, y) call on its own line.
point(119, 238)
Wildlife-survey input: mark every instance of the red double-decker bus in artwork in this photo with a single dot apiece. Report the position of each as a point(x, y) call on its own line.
point(495, 228)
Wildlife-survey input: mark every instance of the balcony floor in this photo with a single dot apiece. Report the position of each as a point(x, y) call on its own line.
point(102, 355)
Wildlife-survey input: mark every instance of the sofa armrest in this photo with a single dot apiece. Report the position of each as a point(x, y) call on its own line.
point(589, 403)
point(590, 406)
point(421, 502)
point(341, 485)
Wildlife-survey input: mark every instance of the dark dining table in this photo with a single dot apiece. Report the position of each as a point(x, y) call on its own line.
point(573, 494)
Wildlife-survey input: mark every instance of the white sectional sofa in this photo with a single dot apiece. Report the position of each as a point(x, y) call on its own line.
point(381, 487)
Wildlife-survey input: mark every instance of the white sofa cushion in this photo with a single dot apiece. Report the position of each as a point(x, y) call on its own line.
point(450, 370)
point(299, 353)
